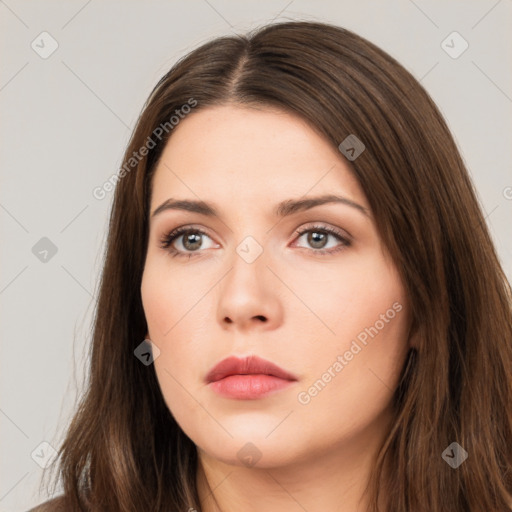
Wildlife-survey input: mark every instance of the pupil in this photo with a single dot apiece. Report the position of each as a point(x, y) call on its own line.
point(191, 239)
point(316, 238)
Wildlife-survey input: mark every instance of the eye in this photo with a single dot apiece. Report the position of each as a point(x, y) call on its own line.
point(318, 237)
point(191, 241)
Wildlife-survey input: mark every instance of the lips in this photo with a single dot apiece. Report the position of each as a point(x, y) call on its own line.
point(251, 365)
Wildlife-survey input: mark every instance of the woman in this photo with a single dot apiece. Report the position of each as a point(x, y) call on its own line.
point(328, 326)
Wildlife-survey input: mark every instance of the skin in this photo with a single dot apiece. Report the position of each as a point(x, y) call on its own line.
point(292, 306)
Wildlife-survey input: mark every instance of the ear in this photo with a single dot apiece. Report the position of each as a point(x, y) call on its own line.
point(413, 336)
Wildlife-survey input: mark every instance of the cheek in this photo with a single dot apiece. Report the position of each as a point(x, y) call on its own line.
point(175, 323)
point(356, 371)
point(349, 296)
point(360, 313)
point(168, 296)
point(166, 317)
point(158, 306)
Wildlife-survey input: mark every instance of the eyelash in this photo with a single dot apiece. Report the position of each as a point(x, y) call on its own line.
point(169, 238)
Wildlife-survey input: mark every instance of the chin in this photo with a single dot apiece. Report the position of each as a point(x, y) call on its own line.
point(248, 450)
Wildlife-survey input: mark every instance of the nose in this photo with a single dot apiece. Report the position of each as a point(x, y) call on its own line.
point(248, 296)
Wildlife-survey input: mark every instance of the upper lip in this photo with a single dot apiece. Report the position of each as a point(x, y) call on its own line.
point(250, 365)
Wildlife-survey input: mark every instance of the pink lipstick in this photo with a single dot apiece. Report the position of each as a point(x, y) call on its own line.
point(249, 378)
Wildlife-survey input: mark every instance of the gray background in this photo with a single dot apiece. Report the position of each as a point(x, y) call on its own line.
point(66, 120)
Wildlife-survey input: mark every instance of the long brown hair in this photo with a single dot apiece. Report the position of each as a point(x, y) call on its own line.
point(124, 451)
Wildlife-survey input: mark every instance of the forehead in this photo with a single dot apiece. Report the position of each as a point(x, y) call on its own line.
point(232, 154)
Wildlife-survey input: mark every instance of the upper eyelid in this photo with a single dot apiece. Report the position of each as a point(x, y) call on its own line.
point(340, 234)
point(304, 226)
point(182, 230)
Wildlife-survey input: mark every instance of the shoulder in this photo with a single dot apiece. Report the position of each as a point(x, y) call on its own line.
point(54, 505)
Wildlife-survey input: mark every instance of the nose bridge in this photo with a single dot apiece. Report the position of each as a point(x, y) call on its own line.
point(249, 265)
point(248, 290)
point(250, 249)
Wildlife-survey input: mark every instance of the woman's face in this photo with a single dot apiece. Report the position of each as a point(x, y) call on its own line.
point(327, 305)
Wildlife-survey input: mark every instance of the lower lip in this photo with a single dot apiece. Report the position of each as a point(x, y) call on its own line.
point(249, 387)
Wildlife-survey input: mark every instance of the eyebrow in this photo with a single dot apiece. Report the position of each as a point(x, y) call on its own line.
point(283, 209)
